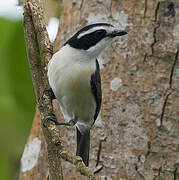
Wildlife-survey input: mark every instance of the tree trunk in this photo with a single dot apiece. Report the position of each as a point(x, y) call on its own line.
point(136, 134)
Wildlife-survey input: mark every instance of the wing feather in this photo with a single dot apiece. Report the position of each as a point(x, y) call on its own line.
point(96, 89)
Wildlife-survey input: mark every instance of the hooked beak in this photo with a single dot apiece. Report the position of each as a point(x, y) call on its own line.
point(117, 32)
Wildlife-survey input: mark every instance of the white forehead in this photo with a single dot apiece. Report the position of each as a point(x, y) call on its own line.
point(107, 28)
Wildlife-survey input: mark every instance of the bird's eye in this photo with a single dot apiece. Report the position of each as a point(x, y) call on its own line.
point(100, 32)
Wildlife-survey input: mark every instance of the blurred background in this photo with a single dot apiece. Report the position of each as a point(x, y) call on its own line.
point(17, 99)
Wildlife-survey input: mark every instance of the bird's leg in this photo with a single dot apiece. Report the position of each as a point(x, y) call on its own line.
point(53, 118)
point(72, 122)
point(50, 93)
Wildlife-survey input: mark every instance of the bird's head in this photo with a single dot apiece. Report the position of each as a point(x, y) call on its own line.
point(93, 38)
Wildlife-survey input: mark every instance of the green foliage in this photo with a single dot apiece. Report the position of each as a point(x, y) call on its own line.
point(17, 101)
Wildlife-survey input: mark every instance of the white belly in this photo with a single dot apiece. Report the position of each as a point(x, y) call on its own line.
point(75, 97)
point(71, 86)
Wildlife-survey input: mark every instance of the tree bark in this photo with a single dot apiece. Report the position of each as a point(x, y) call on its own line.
point(136, 134)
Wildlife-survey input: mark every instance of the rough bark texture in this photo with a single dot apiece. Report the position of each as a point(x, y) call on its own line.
point(51, 8)
point(36, 36)
point(136, 134)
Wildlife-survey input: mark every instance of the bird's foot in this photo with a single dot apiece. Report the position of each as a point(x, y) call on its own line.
point(72, 122)
point(50, 93)
point(53, 118)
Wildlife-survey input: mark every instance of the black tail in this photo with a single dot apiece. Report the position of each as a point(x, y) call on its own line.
point(83, 145)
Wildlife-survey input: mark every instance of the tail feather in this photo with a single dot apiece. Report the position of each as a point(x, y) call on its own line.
point(83, 145)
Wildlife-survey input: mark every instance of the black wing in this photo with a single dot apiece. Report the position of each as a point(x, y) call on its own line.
point(96, 89)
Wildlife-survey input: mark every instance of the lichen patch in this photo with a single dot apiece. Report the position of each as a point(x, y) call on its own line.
point(30, 156)
point(115, 84)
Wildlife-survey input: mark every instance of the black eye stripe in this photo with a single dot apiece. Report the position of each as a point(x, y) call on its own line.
point(99, 32)
point(88, 40)
point(94, 34)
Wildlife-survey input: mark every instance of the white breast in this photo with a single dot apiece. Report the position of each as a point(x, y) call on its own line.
point(69, 73)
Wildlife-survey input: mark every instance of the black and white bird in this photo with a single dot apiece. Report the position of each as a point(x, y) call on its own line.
point(74, 77)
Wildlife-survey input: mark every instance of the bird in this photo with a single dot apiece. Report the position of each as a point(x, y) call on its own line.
point(74, 77)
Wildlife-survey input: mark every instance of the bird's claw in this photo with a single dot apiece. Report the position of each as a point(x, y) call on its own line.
point(53, 118)
point(49, 92)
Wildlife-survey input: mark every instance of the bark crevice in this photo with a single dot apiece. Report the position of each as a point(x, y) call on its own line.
point(156, 27)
